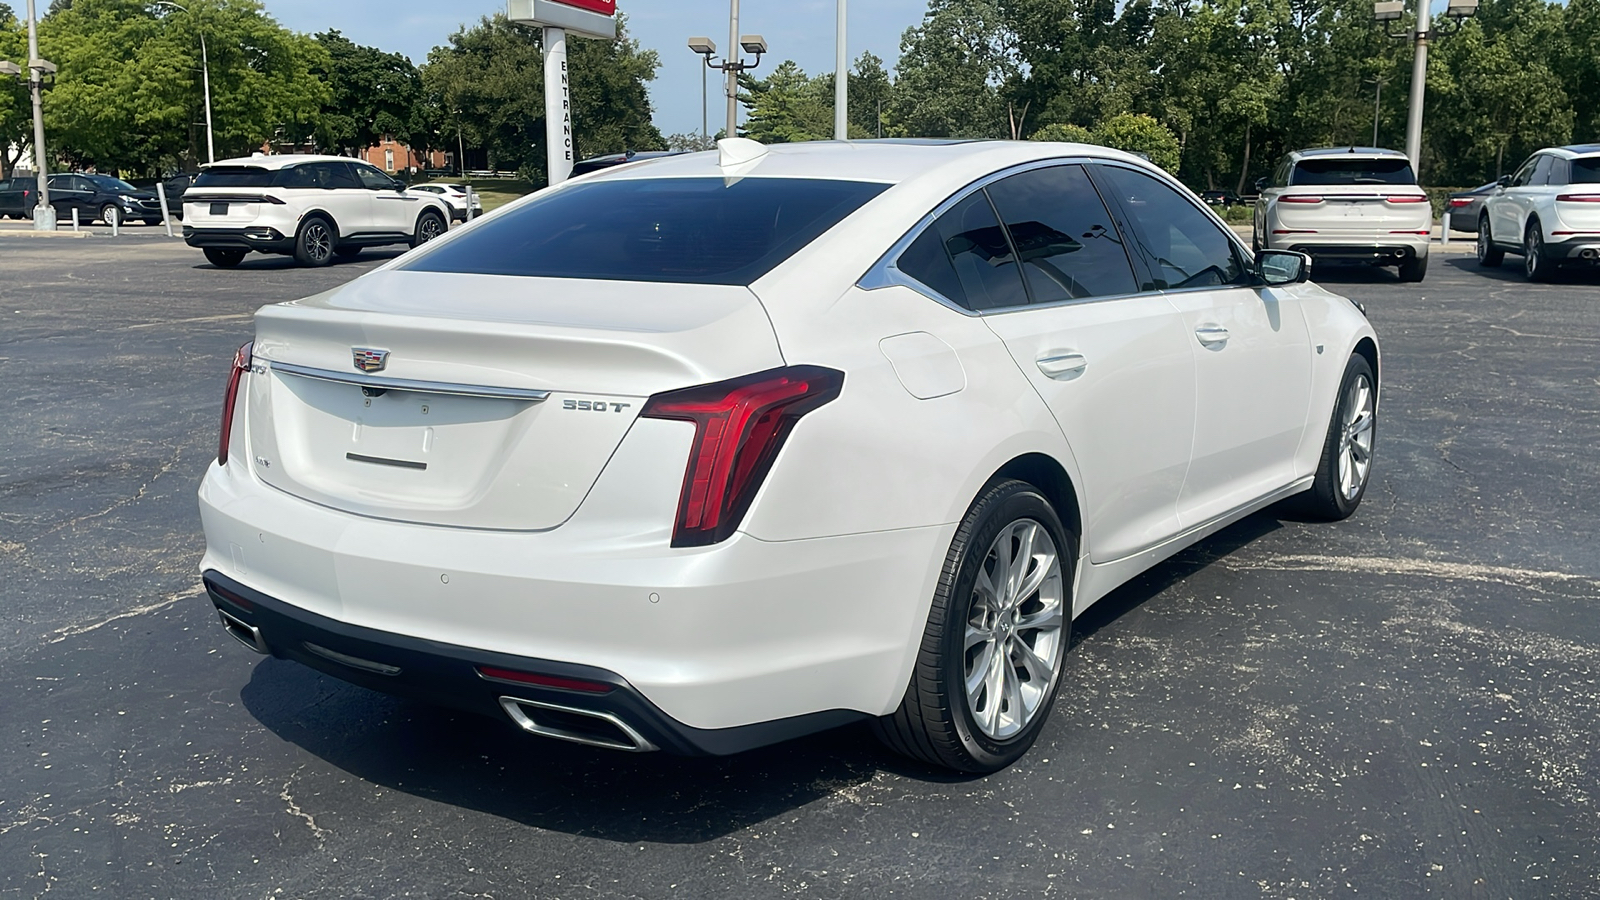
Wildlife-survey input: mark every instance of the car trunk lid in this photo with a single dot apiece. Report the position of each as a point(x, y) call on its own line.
point(499, 400)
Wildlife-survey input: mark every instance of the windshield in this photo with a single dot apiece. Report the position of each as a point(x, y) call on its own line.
point(1339, 170)
point(107, 183)
point(234, 176)
point(683, 230)
point(1586, 170)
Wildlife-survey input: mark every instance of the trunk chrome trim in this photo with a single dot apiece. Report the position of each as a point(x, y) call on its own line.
point(385, 461)
point(406, 384)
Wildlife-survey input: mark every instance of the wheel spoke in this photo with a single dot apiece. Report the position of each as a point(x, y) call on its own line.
point(980, 671)
point(1012, 692)
point(1038, 668)
point(1000, 578)
point(1046, 564)
point(1021, 560)
point(976, 636)
point(1043, 620)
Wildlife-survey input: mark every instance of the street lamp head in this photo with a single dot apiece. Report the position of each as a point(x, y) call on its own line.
point(1461, 9)
point(7, 67)
point(703, 45)
point(1390, 10)
point(753, 43)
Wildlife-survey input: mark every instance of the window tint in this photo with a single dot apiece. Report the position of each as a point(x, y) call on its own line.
point(1560, 172)
point(234, 176)
point(297, 177)
point(687, 230)
point(1339, 170)
point(373, 180)
point(1586, 170)
point(1063, 235)
point(1524, 175)
point(981, 255)
point(929, 262)
point(1179, 245)
point(334, 175)
point(1541, 170)
point(107, 183)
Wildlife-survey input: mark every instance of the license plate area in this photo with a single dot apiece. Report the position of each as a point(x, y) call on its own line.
point(219, 209)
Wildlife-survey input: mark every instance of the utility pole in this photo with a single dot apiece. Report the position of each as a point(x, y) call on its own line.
point(841, 83)
point(1421, 34)
point(733, 73)
point(44, 215)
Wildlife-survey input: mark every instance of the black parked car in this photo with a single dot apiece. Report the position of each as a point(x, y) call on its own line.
point(1220, 198)
point(93, 196)
point(1465, 206)
point(16, 198)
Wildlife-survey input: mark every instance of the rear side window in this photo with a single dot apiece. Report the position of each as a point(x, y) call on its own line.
point(1339, 170)
point(683, 230)
point(1585, 170)
point(1064, 237)
point(234, 176)
point(966, 256)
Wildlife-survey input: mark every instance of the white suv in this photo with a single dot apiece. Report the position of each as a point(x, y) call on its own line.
point(311, 207)
point(1353, 204)
point(456, 196)
point(1549, 212)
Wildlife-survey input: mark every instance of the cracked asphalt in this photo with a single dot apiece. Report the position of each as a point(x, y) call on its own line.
point(1404, 704)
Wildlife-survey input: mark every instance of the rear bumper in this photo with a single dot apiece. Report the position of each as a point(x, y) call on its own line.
point(607, 711)
point(1583, 248)
point(1380, 252)
point(255, 237)
point(742, 633)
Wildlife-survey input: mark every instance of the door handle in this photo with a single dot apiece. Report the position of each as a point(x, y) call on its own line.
point(1211, 334)
point(1063, 365)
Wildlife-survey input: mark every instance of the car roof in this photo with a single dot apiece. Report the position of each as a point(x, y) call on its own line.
point(1573, 151)
point(1352, 152)
point(889, 161)
point(278, 161)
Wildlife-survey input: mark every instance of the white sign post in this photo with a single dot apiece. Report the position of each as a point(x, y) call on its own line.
point(559, 18)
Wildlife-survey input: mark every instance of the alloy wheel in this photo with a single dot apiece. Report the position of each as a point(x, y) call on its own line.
point(1533, 253)
point(318, 241)
point(111, 215)
point(1355, 450)
point(428, 229)
point(1015, 629)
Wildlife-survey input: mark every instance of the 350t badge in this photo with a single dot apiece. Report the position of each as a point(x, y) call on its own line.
point(594, 405)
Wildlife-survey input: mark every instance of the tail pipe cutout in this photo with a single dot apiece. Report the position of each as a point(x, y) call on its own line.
point(580, 726)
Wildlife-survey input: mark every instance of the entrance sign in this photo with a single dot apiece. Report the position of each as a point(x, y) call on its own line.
point(583, 18)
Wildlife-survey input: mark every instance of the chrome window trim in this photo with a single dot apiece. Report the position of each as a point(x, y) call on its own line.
point(378, 382)
point(885, 273)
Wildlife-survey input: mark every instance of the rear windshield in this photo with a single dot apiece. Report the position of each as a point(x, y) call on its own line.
point(1353, 171)
point(1585, 170)
point(684, 230)
point(234, 176)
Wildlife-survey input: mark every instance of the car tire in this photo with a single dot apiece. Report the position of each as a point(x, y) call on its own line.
point(429, 226)
point(994, 635)
point(348, 252)
point(314, 242)
point(1489, 256)
point(1414, 269)
point(1536, 263)
point(1345, 468)
point(225, 257)
point(111, 214)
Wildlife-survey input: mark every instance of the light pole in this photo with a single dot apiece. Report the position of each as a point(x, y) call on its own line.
point(1420, 35)
point(750, 43)
point(44, 215)
point(707, 48)
point(205, 80)
point(841, 82)
point(1377, 102)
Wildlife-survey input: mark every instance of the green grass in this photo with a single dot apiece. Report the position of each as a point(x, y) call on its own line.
point(497, 192)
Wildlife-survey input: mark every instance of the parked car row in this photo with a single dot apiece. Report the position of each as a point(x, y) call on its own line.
point(1362, 204)
point(94, 197)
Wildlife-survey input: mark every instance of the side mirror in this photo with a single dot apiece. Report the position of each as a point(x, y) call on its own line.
point(1503, 181)
point(1261, 184)
point(1275, 267)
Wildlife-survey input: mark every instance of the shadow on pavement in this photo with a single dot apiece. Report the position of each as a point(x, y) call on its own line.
point(265, 262)
point(473, 762)
point(1511, 270)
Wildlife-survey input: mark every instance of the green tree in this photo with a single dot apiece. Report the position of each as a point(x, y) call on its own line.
point(787, 106)
point(1070, 134)
point(488, 84)
point(1140, 134)
point(128, 95)
point(373, 94)
point(871, 92)
point(16, 108)
point(951, 69)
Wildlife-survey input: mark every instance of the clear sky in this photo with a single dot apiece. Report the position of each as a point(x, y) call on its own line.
point(801, 30)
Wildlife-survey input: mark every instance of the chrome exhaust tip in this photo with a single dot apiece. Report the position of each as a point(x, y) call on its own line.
point(580, 726)
point(1590, 254)
point(243, 632)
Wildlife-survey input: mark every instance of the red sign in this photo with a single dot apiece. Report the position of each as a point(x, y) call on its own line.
point(603, 7)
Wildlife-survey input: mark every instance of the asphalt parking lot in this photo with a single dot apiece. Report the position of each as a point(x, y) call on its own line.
point(1404, 704)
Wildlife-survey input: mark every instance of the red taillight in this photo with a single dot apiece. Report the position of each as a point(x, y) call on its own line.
point(1422, 231)
point(1460, 201)
point(1408, 198)
point(241, 365)
point(1578, 198)
point(1300, 198)
point(739, 426)
point(550, 681)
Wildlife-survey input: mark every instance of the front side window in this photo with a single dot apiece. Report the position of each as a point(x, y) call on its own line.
point(373, 180)
point(1524, 175)
point(1336, 170)
point(682, 230)
point(1585, 170)
point(1063, 235)
point(1180, 246)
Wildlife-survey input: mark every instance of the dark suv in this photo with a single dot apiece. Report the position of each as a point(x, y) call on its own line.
point(93, 196)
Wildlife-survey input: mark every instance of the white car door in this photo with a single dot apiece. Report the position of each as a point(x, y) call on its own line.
point(1113, 365)
point(393, 209)
point(1251, 347)
point(343, 197)
point(1507, 208)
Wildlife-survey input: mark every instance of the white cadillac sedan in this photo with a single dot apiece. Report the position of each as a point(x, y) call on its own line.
point(712, 451)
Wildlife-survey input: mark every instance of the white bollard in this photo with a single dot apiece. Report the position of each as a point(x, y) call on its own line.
point(116, 222)
point(1444, 228)
point(74, 220)
point(469, 203)
point(166, 215)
